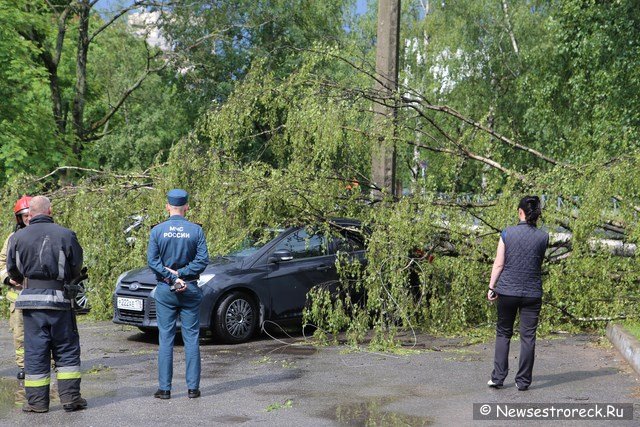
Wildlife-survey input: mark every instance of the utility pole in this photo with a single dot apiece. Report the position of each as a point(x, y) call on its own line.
point(383, 159)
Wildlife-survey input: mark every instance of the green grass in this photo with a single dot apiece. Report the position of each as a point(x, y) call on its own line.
point(276, 406)
point(633, 326)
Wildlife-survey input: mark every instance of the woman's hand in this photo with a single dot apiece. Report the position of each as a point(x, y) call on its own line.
point(491, 295)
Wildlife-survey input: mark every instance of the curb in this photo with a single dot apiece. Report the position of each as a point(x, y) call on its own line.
point(626, 344)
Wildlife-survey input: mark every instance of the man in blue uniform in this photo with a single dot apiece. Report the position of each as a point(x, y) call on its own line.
point(177, 253)
point(44, 258)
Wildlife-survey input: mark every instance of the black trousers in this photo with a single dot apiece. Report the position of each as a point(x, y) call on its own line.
point(50, 333)
point(508, 308)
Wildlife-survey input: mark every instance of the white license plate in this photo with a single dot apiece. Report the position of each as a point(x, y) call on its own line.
point(134, 304)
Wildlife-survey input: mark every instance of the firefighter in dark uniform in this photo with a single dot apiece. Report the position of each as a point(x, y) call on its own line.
point(177, 253)
point(44, 257)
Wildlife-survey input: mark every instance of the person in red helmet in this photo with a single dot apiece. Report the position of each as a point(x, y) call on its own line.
point(21, 211)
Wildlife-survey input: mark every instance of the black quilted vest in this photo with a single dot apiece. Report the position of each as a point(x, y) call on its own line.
point(525, 246)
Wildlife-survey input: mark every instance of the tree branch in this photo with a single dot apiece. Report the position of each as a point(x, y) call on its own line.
point(465, 152)
point(114, 109)
point(410, 102)
point(77, 168)
point(62, 30)
point(622, 199)
point(586, 319)
point(450, 111)
point(111, 21)
point(136, 4)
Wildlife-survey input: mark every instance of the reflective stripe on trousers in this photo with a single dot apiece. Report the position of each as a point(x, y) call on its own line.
point(37, 380)
point(69, 372)
point(68, 382)
point(36, 388)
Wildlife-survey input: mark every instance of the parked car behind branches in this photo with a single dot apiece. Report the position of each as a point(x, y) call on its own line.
point(266, 280)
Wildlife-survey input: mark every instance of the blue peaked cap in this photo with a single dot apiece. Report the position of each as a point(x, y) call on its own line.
point(177, 197)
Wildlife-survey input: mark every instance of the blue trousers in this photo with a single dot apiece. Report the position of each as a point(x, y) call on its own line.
point(186, 305)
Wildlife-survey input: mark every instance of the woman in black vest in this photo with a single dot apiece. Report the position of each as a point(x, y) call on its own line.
point(516, 284)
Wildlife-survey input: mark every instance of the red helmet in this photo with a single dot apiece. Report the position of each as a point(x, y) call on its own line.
point(22, 205)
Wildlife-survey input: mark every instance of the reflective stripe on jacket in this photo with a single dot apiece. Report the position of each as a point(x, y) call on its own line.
point(42, 299)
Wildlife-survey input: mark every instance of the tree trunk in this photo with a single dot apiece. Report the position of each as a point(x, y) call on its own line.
point(383, 159)
point(50, 64)
point(84, 9)
point(512, 36)
point(56, 94)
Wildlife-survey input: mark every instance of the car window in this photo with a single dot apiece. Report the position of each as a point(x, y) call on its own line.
point(254, 242)
point(302, 244)
point(348, 242)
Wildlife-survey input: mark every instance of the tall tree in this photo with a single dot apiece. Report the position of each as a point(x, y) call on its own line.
point(76, 20)
point(27, 140)
point(550, 74)
point(216, 42)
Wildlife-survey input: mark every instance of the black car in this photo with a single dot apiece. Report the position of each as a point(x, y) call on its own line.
point(267, 280)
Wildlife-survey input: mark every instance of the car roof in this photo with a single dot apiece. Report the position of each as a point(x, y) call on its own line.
point(344, 222)
point(338, 222)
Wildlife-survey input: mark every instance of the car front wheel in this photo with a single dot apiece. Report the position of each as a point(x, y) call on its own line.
point(81, 301)
point(236, 318)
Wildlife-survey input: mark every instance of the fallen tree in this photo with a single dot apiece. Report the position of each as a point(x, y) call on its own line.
point(291, 151)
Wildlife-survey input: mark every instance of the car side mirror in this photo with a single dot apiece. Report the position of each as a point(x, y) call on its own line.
point(280, 256)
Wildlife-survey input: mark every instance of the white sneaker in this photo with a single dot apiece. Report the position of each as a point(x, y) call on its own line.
point(490, 383)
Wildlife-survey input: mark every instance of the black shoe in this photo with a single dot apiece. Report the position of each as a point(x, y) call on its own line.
point(522, 388)
point(28, 408)
point(193, 394)
point(20, 375)
point(75, 405)
point(491, 384)
point(162, 394)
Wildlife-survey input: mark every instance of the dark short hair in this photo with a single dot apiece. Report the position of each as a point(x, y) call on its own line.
point(531, 208)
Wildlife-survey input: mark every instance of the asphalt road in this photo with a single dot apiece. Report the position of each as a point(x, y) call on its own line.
point(267, 382)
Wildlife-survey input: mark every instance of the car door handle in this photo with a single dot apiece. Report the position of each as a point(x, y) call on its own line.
point(323, 268)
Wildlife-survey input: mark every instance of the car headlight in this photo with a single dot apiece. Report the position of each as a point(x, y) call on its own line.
point(205, 278)
point(120, 277)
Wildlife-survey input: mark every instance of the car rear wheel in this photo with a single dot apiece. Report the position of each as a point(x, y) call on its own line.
point(235, 318)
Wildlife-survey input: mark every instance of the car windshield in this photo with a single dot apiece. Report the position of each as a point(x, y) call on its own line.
point(252, 244)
